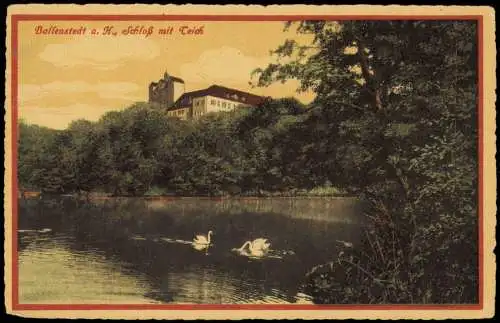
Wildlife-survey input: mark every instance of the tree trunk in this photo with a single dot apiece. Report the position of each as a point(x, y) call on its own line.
point(370, 80)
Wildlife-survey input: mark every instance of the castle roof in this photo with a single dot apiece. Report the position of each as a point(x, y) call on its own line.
point(167, 77)
point(220, 92)
point(176, 79)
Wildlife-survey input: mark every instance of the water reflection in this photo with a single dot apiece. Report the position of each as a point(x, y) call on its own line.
point(51, 271)
point(139, 251)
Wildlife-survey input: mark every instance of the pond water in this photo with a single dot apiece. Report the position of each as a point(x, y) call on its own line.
point(133, 250)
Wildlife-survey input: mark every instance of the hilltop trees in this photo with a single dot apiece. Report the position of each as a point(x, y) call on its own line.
point(131, 141)
point(396, 102)
point(131, 152)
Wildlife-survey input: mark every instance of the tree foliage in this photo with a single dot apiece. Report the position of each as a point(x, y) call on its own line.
point(132, 151)
point(399, 101)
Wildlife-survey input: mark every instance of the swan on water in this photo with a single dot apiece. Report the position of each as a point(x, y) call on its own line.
point(257, 248)
point(261, 243)
point(203, 240)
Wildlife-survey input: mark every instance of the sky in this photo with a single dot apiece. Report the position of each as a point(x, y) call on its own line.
point(68, 77)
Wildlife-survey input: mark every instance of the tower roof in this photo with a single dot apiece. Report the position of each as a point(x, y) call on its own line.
point(173, 78)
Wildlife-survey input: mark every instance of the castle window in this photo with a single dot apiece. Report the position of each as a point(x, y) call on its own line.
point(213, 102)
point(218, 103)
point(223, 104)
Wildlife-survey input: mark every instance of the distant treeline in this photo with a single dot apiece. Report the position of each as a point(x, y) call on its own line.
point(394, 119)
point(273, 149)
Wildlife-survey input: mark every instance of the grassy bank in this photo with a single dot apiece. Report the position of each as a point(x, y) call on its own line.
point(320, 191)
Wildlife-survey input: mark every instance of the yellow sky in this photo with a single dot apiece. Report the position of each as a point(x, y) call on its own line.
point(68, 77)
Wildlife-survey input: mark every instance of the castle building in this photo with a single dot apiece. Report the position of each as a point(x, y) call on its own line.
point(169, 93)
point(166, 91)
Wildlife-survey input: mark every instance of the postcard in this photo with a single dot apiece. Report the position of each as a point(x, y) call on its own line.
point(232, 162)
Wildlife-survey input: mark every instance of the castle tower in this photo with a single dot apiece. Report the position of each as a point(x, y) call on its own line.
point(166, 91)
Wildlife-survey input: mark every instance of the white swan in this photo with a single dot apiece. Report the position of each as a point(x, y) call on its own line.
point(261, 243)
point(203, 240)
point(242, 251)
point(257, 248)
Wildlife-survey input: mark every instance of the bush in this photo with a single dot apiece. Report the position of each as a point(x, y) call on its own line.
point(156, 191)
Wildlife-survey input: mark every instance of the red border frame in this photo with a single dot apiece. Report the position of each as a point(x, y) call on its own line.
point(16, 18)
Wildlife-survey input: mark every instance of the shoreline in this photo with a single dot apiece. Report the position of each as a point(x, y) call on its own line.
point(93, 196)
